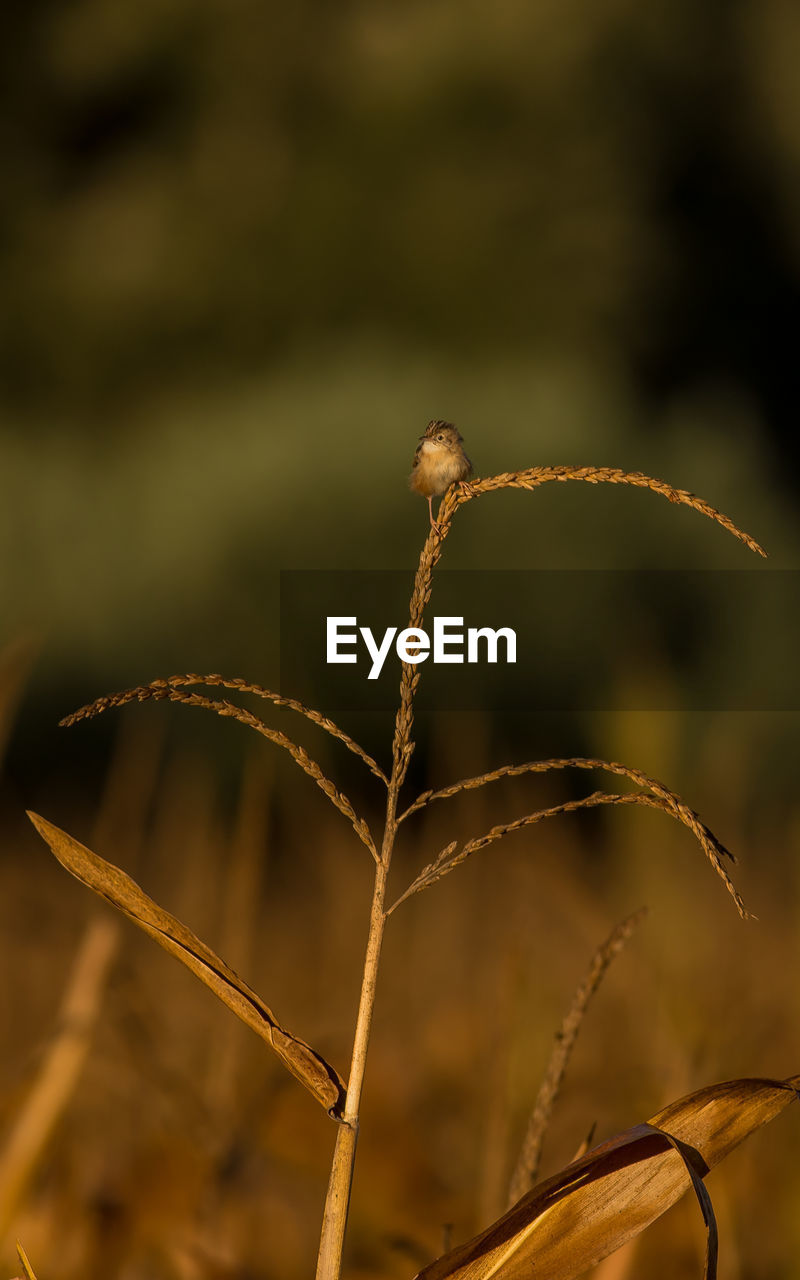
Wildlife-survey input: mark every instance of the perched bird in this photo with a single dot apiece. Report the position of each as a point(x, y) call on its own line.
point(439, 462)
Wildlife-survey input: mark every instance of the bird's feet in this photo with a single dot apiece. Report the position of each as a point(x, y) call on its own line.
point(436, 528)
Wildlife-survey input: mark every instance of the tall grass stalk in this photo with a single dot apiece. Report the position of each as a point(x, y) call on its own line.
point(344, 1103)
point(340, 1183)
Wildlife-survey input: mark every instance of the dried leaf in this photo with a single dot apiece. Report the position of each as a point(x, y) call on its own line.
point(121, 891)
point(571, 1221)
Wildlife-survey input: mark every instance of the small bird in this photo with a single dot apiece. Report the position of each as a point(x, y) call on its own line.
point(438, 462)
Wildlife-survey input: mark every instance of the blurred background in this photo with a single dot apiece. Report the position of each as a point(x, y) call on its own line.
point(248, 251)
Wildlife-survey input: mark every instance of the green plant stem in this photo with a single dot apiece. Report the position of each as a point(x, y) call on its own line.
point(337, 1202)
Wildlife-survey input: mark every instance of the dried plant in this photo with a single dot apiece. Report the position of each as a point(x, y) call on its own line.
point(527, 1167)
point(568, 1222)
point(27, 1269)
point(59, 1071)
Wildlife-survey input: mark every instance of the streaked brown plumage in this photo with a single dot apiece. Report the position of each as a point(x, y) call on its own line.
point(438, 462)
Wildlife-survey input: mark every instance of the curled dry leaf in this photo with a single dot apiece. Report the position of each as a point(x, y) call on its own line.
point(121, 891)
point(571, 1221)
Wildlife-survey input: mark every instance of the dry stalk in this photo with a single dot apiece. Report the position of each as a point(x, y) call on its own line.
point(527, 1167)
point(164, 690)
point(27, 1269)
point(660, 798)
point(456, 496)
point(223, 682)
point(61, 1067)
point(535, 476)
point(451, 857)
point(329, 1262)
point(657, 796)
point(673, 801)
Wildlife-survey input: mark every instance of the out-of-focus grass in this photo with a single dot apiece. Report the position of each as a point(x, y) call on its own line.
point(162, 1166)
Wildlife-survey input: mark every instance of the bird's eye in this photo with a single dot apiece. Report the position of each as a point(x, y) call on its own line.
point(440, 436)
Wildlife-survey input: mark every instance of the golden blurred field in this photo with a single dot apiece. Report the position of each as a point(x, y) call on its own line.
point(248, 251)
point(186, 1150)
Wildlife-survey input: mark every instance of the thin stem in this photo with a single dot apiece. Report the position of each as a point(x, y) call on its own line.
point(334, 1223)
point(337, 1202)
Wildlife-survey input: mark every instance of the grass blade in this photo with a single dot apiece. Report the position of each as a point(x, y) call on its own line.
point(121, 891)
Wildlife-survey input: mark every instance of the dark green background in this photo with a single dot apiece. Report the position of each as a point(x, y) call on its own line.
point(248, 251)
